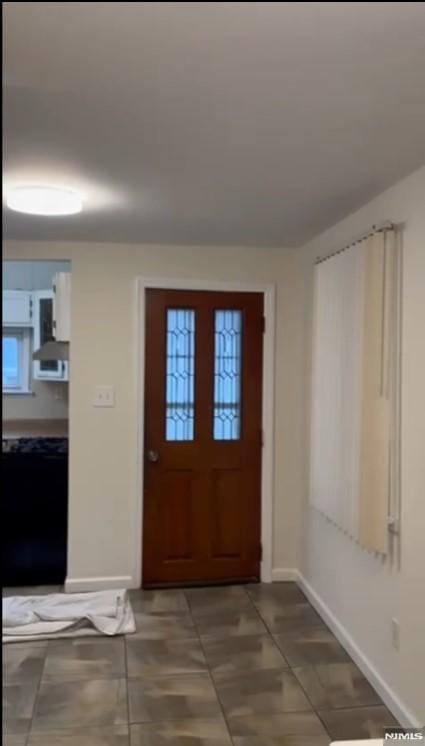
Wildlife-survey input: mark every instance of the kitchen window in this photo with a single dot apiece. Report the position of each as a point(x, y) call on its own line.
point(16, 360)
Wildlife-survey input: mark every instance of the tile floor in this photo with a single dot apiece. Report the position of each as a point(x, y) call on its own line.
point(244, 665)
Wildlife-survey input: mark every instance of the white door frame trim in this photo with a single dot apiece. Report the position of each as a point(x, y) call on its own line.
point(267, 458)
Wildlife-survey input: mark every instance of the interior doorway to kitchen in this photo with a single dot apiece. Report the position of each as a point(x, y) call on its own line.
point(36, 372)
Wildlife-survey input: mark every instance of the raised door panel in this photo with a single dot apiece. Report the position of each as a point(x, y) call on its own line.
point(226, 511)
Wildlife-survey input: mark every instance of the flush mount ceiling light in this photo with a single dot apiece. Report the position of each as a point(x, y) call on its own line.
point(44, 200)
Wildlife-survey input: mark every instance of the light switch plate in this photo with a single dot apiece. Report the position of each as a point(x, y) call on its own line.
point(104, 396)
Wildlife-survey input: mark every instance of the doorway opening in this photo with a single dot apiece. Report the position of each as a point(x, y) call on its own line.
point(36, 342)
point(206, 438)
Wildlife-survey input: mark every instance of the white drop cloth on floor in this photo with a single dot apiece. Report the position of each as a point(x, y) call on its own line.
point(67, 615)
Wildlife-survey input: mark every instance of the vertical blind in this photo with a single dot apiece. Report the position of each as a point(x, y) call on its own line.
point(353, 388)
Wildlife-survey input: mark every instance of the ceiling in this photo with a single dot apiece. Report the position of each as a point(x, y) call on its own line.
point(210, 123)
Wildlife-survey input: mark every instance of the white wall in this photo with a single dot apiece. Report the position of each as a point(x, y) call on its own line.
point(48, 400)
point(361, 591)
point(103, 446)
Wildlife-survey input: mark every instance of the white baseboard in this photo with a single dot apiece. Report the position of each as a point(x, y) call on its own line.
point(285, 574)
point(388, 696)
point(80, 585)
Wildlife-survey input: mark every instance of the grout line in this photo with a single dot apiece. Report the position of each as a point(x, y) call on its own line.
point(127, 691)
point(290, 668)
point(315, 710)
point(210, 672)
point(223, 712)
point(37, 693)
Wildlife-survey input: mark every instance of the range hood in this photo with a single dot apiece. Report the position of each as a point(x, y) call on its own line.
point(52, 350)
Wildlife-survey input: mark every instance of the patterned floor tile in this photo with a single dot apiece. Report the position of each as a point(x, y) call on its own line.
point(259, 592)
point(84, 658)
point(217, 600)
point(97, 702)
point(242, 654)
point(196, 652)
point(270, 690)
point(115, 736)
point(151, 602)
point(311, 646)
point(23, 663)
point(230, 624)
point(18, 706)
point(289, 729)
point(357, 723)
point(281, 615)
point(14, 740)
point(163, 625)
point(211, 732)
point(164, 657)
point(172, 698)
point(336, 685)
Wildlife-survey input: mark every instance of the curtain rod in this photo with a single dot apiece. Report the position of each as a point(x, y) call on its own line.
point(387, 226)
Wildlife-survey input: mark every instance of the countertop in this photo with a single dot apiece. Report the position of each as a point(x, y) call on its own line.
point(14, 429)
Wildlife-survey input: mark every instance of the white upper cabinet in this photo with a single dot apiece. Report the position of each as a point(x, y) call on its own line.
point(17, 308)
point(62, 306)
point(46, 370)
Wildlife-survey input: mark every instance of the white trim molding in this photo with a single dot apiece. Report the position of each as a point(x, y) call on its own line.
point(388, 696)
point(81, 585)
point(267, 461)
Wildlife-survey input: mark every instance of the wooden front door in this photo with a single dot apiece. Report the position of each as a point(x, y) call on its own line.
point(203, 394)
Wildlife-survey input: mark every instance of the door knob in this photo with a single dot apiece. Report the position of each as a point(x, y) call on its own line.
point(153, 456)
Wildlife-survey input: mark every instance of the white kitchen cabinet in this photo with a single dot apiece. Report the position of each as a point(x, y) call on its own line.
point(62, 306)
point(17, 308)
point(46, 370)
